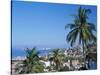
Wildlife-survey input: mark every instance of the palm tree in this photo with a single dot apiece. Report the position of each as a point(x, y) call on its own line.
point(31, 64)
point(51, 62)
point(81, 30)
point(57, 57)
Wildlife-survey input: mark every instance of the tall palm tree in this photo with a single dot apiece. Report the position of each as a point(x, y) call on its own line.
point(31, 64)
point(58, 58)
point(81, 30)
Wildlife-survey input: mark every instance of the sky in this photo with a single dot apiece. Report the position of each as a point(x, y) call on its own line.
point(43, 24)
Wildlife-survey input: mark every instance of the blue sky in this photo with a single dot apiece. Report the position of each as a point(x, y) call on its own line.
point(42, 24)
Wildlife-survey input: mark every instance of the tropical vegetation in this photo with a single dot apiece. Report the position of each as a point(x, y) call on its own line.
point(81, 30)
point(31, 64)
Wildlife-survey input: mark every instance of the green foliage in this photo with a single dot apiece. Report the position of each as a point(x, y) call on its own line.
point(39, 68)
point(58, 58)
point(81, 30)
point(65, 68)
point(31, 64)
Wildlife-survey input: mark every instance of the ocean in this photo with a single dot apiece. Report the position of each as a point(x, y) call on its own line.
point(22, 53)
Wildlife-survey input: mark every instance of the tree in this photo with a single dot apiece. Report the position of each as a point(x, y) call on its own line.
point(81, 30)
point(31, 64)
point(57, 57)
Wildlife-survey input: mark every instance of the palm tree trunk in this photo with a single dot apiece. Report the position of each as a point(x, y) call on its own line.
point(83, 49)
point(84, 55)
point(50, 65)
point(57, 65)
